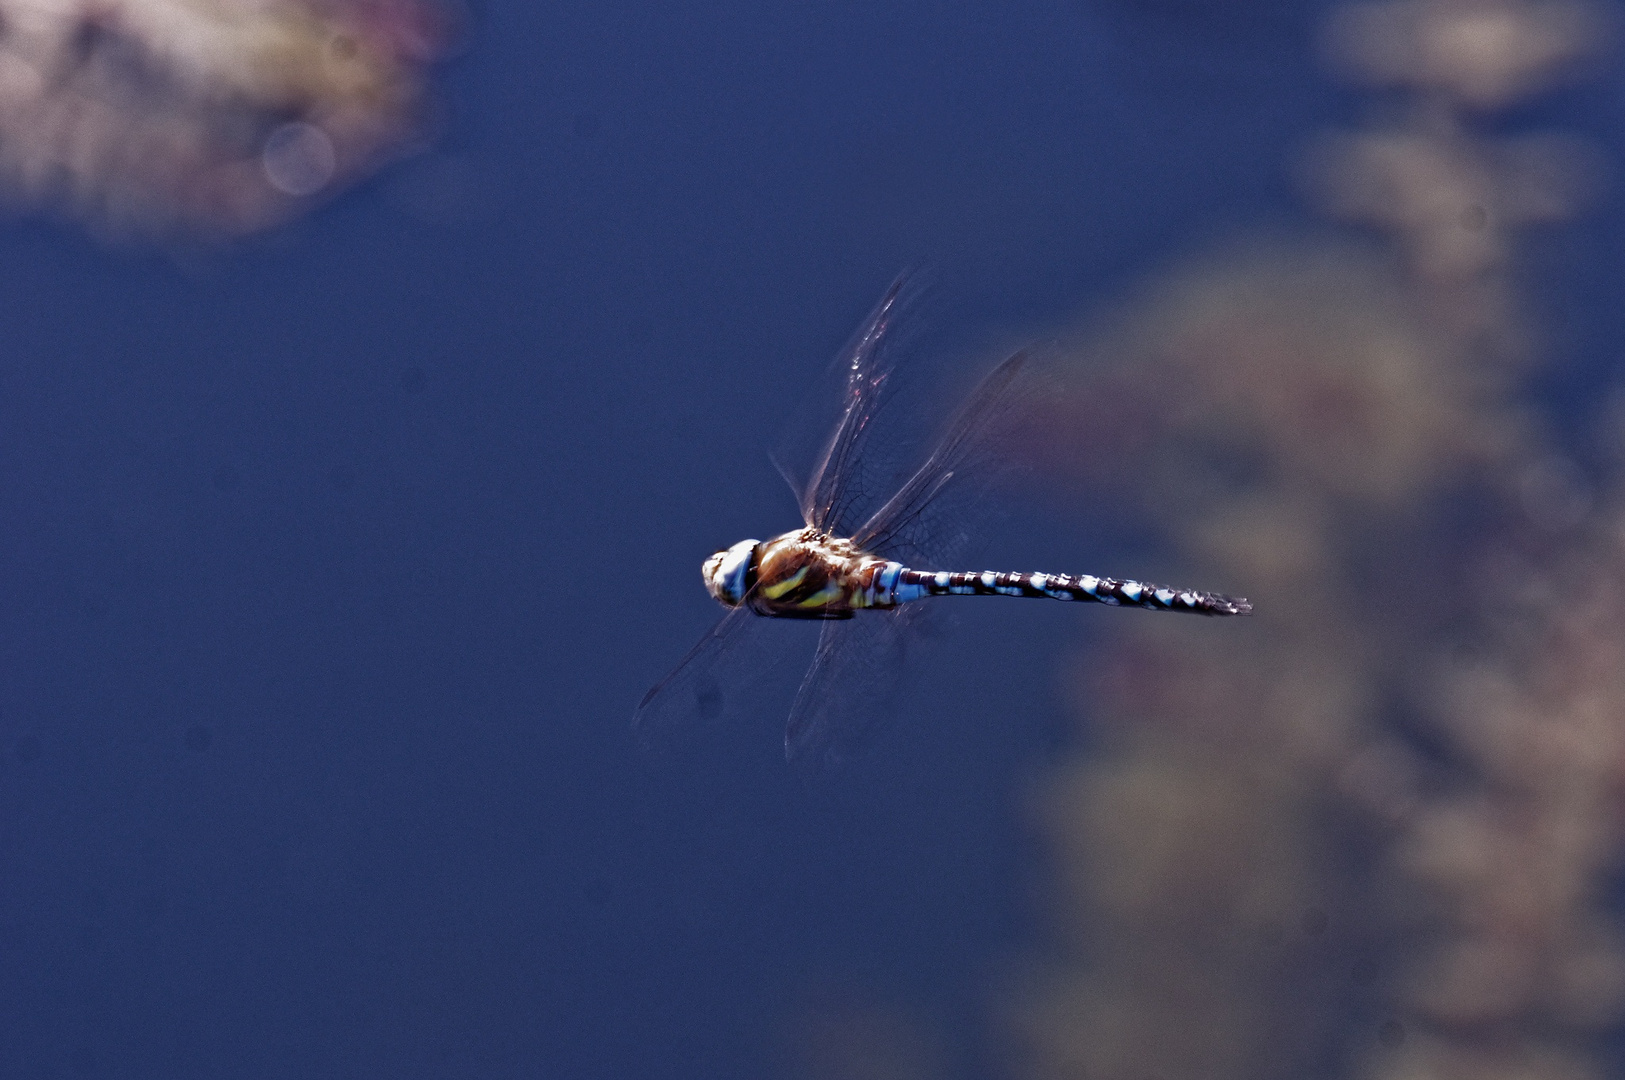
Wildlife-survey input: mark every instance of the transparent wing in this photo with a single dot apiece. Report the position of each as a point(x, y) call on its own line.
point(853, 681)
point(905, 527)
point(864, 367)
point(730, 672)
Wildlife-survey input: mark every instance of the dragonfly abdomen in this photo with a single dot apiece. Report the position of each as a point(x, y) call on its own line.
point(916, 584)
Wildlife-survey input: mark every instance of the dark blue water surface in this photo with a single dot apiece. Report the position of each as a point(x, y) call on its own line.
point(334, 565)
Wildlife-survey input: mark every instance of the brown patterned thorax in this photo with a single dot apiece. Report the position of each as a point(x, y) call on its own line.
point(805, 575)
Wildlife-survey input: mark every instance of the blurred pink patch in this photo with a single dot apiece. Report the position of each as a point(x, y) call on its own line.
point(416, 31)
point(206, 117)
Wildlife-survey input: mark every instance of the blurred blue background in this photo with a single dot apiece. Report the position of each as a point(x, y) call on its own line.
point(337, 561)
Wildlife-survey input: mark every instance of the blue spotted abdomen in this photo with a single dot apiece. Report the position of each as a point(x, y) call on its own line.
point(906, 585)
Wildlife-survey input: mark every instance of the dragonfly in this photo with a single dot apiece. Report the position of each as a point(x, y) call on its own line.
point(844, 567)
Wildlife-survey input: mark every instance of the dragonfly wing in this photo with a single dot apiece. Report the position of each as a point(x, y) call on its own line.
point(854, 676)
point(893, 529)
point(864, 368)
point(722, 675)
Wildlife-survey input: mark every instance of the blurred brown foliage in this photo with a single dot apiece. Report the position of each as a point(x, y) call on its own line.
point(206, 118)
point(1371, 831)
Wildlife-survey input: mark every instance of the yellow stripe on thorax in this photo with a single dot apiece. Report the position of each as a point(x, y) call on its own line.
point(820, 598)
point(773, 592)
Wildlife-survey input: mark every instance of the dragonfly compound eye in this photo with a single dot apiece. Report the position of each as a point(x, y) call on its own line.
point(727, 573)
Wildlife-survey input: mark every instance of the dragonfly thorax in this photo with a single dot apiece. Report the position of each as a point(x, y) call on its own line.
point(802, 574)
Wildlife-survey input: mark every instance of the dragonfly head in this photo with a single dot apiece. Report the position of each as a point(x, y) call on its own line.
point(728, 573)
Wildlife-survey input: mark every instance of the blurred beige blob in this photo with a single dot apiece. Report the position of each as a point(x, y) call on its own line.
point(205, 116)
point(1380, 824)
point(1450, 199)
point(1483, 54)
point(1290, 406)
